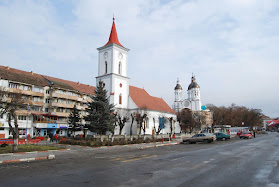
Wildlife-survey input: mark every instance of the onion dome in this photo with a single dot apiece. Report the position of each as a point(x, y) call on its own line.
point(193, 84)
point(178, 86)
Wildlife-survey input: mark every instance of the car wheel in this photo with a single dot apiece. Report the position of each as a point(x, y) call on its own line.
point(187, 142)
point(223, 139)
point(206, 141)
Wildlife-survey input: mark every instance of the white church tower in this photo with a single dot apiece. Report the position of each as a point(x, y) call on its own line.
point(112, 70)
point(178, 97)
point(194, 95)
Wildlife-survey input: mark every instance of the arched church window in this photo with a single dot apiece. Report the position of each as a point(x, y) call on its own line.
point(120, 99)
point(106, 67)
point(119, 68)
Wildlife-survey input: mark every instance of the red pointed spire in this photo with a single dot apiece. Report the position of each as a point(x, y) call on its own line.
point(113, 38)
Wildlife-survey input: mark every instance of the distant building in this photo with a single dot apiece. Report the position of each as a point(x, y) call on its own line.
point(193, 103)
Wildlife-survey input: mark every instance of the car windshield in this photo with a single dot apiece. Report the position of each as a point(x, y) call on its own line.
point(246, 133)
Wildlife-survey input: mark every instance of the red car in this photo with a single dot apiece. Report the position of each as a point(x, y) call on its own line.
point(246, 135)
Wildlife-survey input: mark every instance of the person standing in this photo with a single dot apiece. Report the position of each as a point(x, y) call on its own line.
point(254, 134)
point(56, 137)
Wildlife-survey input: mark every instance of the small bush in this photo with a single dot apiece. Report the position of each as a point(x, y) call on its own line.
point(4, 145)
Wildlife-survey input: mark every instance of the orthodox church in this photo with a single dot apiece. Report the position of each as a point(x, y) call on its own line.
point(193, 103)
point(194, 99)
point(112, 71)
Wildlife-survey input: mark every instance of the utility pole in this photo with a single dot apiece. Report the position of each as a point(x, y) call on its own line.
point(27, 120)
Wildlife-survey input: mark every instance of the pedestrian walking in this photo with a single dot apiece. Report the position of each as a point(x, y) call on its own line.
point(50, 136)
point(254, 134)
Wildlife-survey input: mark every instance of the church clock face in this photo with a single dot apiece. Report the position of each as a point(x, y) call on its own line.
point(106, 55)
point(120, 56)
point(186, 103)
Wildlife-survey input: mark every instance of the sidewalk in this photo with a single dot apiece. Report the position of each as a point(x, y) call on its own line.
point(44, 155)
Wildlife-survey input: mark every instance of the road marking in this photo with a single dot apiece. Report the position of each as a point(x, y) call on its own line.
point(139, 158)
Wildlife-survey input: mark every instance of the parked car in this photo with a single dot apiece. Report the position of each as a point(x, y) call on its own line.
point(246, 135)
point(222, 136)
point(202, 137)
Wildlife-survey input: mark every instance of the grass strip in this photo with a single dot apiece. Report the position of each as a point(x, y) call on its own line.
point(28, 148)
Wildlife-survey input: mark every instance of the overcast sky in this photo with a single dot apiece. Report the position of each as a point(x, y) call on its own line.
point(232, 46)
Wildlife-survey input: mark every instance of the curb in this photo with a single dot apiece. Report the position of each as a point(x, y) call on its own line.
point(49, 157)
point(114, 146)
point(160, 145)
point(7, 154)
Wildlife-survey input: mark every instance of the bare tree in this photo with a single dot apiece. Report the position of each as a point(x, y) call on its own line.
point(122, 116)
point(234, 115)
point(133, 117)
point(10, 104)
point(141, 116)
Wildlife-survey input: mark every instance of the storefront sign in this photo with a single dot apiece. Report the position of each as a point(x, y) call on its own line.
point(41, 125)
point(62, 126)
point(51, 125)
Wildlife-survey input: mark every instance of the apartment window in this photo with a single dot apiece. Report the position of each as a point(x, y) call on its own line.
point(1, 128)
point(21, 117)
point(36, 108)
point(1, 116)
point(60, 91)
point(68, 110)
point(22, 87)
point(47, 100)
point(59, 110)
point(69, 93)
point(36, 99)
point(46, 110)
point(69, 102)
point(37, 89)
point(60, 101)
point(120, 99)
point(47, 91)
point(12, 85)
point(4, 83)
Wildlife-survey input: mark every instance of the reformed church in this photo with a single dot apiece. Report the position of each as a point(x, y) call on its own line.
point(112, 70)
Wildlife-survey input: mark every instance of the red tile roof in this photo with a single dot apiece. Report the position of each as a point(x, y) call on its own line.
point(16, 75)
point(113, 38)
point(144, 101)
point(70, 84)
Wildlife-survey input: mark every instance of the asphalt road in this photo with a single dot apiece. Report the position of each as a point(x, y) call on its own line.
point(235, 162)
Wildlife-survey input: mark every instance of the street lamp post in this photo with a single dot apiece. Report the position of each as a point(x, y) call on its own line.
point(27, 120)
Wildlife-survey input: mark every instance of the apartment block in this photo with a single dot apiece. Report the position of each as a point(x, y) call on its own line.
point(50, 101)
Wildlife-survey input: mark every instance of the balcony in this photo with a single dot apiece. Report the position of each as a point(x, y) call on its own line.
point(26, 92)
point(38, 103)
point(60, 114)
point(57, 95)
point(80, 107)
point(62, 105)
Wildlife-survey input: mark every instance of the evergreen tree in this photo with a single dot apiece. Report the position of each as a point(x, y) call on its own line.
point(100, 117)
point(74, 119)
